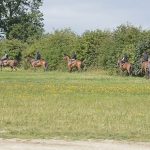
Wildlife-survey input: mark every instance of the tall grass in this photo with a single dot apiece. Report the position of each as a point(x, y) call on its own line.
point(74, 106)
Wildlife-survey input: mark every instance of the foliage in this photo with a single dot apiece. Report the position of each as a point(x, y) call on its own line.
point(21, 19)
point(53, 46)
point(126, 38)
point(13, 48)
point(98, 49)
point(93, 49)
point(141, 47)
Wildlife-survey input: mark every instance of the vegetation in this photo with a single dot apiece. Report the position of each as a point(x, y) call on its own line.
point(99, 49)
point(21, 19)
point(22, 22)
point(91, 105)
point(73, 106)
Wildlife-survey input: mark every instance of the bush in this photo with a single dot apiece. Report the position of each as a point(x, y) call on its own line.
point(13, 48)
point(99, 49)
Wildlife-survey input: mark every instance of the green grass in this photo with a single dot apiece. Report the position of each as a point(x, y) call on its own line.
point(74, 106)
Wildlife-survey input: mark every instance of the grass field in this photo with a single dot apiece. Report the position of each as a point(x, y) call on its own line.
point(74, 106)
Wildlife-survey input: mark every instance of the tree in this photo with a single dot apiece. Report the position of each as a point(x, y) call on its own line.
point(94, 47)
point(21, 19)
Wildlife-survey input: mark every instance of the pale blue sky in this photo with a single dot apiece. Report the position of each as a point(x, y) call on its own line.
point(82, 15)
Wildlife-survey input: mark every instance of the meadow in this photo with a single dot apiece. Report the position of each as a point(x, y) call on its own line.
point(62, 105)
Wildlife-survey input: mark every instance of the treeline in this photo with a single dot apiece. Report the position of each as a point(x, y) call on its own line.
point(22, 21)
point(99, 49)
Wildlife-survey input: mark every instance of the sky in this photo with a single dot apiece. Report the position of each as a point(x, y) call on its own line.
point(82, 15)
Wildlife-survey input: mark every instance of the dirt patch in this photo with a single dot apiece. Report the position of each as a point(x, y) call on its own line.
point(17, 144)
